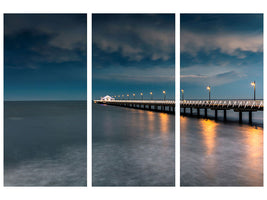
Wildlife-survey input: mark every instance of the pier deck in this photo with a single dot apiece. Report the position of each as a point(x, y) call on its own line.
point(235, 105)
point(152, 105)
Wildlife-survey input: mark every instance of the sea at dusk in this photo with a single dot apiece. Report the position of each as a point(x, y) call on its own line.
point(132, 147)
point(45, 143)
point(217, 153)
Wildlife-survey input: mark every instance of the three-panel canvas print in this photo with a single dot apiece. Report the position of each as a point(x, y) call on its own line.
point(133, 100)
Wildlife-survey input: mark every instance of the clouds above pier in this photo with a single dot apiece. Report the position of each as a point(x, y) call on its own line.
point(221, 49)
point(133, 38)
point(134, 49)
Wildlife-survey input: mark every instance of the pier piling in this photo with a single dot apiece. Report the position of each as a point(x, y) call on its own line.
point(240, 117)
point(250, 117)
point(224, 115)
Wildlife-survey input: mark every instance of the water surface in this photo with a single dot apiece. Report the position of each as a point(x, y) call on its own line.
point(45, 143)
point(132, 147)
point(221, 154)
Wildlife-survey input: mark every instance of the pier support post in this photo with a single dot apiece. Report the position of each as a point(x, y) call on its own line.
point(198, 112)
point(224, 116)
point(240, 117)
point(250, 117)
point(184, 110)
point(216, 114)
point(191, 111)
point(206, 113)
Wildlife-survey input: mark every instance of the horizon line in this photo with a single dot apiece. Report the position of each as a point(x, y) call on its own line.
point(47, 100)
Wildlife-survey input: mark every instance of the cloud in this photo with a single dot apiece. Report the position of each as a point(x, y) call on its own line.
point(134, 74)
point(134, 39)
point(34, 40)
point(201, 75)
point(228, 43)
point(193, 76)
point(69, 30)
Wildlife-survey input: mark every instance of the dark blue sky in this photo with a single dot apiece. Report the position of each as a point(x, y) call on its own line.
point(45, 56)
point(224, 51)
point(133, 53)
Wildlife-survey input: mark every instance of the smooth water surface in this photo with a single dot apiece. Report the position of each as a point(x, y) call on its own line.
point(45, 143)
point(221, 154)
point(132, 147)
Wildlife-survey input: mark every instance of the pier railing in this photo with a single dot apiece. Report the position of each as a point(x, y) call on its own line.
point(231, 104)
point(138, 101)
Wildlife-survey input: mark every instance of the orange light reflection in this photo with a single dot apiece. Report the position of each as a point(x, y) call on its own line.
point(164, 123)
point(209, 134)
point(183, 127)
point(254, 154)
point(151, 121)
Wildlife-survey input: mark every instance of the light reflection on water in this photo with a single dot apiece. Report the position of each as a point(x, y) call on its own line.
point(220, 154)
point(209, 135)
point(132, 147)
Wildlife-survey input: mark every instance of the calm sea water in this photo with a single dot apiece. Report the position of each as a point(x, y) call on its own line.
point(221, 154)
point(45, 143)
point(132, 147)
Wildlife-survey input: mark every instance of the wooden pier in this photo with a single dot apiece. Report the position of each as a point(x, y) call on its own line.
point(165, 106)
point(239, 106)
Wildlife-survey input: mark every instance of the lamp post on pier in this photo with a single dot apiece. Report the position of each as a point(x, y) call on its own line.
point(208, 88)
point(151, 95)
point(128, 96)
point(254, 84)
point(142, 96)
point(164, 95)
point(134, 96)
point(182, 94)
